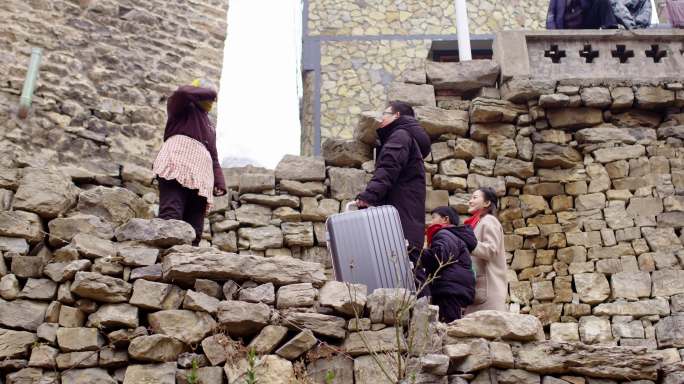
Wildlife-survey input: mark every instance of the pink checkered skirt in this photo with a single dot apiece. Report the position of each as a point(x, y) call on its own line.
point(187, 161)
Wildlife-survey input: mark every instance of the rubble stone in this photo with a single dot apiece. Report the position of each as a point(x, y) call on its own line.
point(187, 326)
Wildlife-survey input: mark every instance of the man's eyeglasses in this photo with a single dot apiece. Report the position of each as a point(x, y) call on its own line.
point(388, 113)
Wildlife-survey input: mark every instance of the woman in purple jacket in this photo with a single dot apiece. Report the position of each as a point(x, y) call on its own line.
point(447, 261)
point(187, 165)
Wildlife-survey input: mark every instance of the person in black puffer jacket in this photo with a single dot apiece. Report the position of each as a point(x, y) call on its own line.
point(399, 178)
point(447, 259)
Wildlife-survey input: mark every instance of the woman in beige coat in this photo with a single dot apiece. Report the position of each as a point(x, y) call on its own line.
point(489, 258)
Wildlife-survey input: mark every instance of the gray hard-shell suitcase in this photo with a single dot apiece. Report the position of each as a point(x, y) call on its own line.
point(368, 247)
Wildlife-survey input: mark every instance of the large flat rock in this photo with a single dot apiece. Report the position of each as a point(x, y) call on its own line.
point(114, 205)
point(382, 341)
point(269, 369)
point(462, 76)
point(496, 324)
point(566, 118)
point(157, 232)
point(156, 348)
point(658, 306)
point(320, 324)
point(23, 314)
point(99, 287)
point(25, 225)
point(153, 373)
point(437, 121)
point(87, 376)
point(365, 130)
point(65, 228)
point(619, 363)
point(603, 134)
point(300, 168)
point(484, 110)
point(188, 326)
point(625, 152)
point(281, 270)
point(346, 153)
point(241, 318)
point(413, 94)
point(45, 192)
point(549, 155)
point(15, 344)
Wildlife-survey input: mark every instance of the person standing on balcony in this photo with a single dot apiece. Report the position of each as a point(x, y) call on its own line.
point(675, 13)
point(598, 14)
point(565, 14)
point(580, 14)
point(399, 177)
point(187, 165)
point(632, 14)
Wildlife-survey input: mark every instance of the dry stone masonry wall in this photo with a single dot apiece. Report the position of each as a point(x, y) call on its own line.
point(94, 290)
point(590, 179)
point(106, 71)
point(360, 47)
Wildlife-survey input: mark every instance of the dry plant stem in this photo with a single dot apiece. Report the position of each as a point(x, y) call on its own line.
point(373, 353)
point(406, 305)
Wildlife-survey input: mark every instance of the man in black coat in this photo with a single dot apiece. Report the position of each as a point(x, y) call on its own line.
point(399, 178)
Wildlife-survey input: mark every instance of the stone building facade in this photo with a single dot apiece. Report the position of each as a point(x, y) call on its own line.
point(353, 49)
point(590, 178)
point(107, 68)
point(588, 166)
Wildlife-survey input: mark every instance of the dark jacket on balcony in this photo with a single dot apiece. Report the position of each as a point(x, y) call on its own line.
point(555, 18)
point(632, 13)
point(675, 13)
point(595, 14)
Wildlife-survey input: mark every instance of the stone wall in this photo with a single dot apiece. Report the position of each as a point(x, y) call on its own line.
point(94, 291)
point(590, 180)
point(590, 183)
point(387, 17)
point(359, 47)
point(355, 76)
point(491, 16)
point(434, 17)
point(107, 68)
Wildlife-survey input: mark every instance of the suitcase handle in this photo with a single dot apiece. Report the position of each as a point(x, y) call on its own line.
point(349, 205)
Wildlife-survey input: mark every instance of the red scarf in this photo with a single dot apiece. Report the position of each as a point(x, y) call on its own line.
point(432, 229)
point(473, 220)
